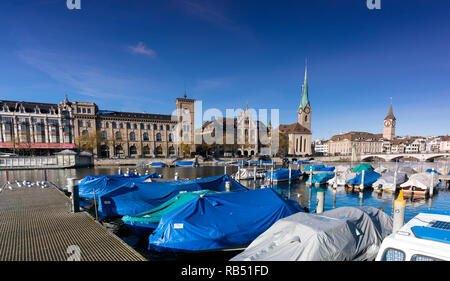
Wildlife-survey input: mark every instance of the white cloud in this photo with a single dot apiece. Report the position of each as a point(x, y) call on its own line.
point(141, 49)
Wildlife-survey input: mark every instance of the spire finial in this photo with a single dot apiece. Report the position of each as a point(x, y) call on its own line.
point(185, 96)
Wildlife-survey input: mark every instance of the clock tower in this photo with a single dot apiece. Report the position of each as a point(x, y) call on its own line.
point(389, 125)
point(304, 110)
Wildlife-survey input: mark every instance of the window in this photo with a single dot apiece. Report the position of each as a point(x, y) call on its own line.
point(391, 254)
point(158, 137)
point(84, 132)
point(145, 136)
point(89, 110)
point(84, 110)
point(146, 150)
point(132, 136)
point(107, 124)
point(149, 127)
point(80, 123)
point(161, 127)
point(114, 125)
point(306, 118)
point(423, 258)
point(100, 125)
point(121, 125)
point(104, 135)
point(118, 135)
point(89, 124)
point(170, 137)
point(142, 126)
point(128, 126)
point(135, 126)
point(167, 127)
point(133, 150)
point(78, 110)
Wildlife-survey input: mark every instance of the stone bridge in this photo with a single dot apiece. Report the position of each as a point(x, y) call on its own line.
point(423, 157)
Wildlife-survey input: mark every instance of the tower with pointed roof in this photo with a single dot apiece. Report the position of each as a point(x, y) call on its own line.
point(389, 125)
point(304, 110)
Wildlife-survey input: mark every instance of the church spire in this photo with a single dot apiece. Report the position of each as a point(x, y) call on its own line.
point(305, 98)
point(390, 114)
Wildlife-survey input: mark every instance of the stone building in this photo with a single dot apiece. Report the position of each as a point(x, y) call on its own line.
point(361, 142)
point(389, 125)
point(47, 128)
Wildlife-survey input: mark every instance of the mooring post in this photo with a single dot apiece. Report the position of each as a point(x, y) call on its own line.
point(72, 187)
point(395, 180)
point(432, 182)
point(361, 186)
point(176, 176)
point(227, 186)
point(334, 198)
point(254, 173)
point(225, 169)
point(310, 175)
point(120, 170)
point(239, 173)
point(399, 212)
point(290, 174)
point(271, 175)
point(320, 200)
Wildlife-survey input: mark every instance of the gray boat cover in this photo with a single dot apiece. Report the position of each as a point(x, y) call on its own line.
point(422, 180)
point(341, 234)
point(387, 180)
point(341, 179)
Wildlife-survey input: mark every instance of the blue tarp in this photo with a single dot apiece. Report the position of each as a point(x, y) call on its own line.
point(314, 168)
point(320, 178)
point(104, 184)
point(327, 169)
point(431, 171)
point(140, 197)
point(221, 220)
point(369, 178)
point(186, 163)
point(283, 174)
point(156, 164)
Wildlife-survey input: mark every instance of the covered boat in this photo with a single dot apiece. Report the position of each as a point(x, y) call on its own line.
point(220, 221)
point(327, 169)
point(246, 174)
point(314, 168)
point(341, 179)
point(320, 178)
point(369, 178)
point(419, 184)
point(386, 181)
point(381, 169)
point(361, 167)
point(144, 223)
point(143, 196)
point(101, 185)
point(186, 164)
point(433, 171)
point(283, 175)
point(407, 169)
point(156, 164)
point(341, 234)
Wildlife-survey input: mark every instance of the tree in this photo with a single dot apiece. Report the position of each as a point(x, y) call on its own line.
point(185, 149)
point(89, 142)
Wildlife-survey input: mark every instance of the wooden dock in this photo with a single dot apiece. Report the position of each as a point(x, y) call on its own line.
point(37, 225)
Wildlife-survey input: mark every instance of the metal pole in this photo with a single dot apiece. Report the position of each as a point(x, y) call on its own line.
point(399, 212)
point(120, 170)
point(320, 200)
point(254, 173)
point(227, 186)
point(271, 175)
point(334, 198)
point(225, 168)
point(72, 187)
point(310, 175)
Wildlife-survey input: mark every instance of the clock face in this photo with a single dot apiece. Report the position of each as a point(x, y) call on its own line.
point(393, 123)
point(307, 110)
point(387, 123)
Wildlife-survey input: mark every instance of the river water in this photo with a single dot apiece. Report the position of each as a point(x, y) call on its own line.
point(298, 191)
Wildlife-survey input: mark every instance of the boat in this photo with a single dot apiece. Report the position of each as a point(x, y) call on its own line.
point(320, 178)
point(370, 177)
point(341, 234)
point(363, 167)
point(327, 169)
point(341, 179)
point(139, 197)
point(186, 164)
point(433, 171)
point(406, 169)
point(221, 221)
point(102, 184)
point(386, 182)
point(144, 223)
point(280, 175)
point(156, 164)
point(314, 168)
point(419, 184)
point(425, 237)
point(249, 174)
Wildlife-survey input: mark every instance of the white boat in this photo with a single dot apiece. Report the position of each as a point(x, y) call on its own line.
point(420, 184)
point(386, 182)
point(426, 237)
point(341, 179)
point(248, 174)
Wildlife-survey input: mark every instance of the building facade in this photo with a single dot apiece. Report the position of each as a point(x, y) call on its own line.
point(359, 142)
point(47, 128)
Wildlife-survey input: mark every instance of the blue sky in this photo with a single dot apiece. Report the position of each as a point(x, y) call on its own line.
point(135, 55)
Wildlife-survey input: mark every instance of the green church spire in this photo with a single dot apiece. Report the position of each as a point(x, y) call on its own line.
point(305, 99)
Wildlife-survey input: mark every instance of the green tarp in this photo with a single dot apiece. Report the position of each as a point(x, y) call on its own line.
point(363, 167)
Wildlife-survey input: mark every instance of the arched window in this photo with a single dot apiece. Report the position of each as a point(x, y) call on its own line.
point(114, 125)
point(145, 136)
point(171, 150)
point(306, 118)
point(84, 132)
point(132, 136)
point(133, 150)
point(118, 150)
point(104, 135)
point(118, 135)
point(158, 150)
point(158, 137)
point(170, 137)
point(146, 150)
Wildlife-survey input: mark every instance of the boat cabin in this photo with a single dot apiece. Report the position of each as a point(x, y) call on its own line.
point(426, 237)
